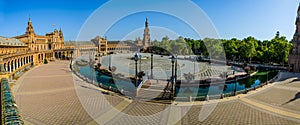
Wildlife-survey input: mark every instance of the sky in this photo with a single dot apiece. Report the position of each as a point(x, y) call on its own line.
point(229, 18)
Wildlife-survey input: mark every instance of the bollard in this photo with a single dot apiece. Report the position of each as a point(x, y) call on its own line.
point(246, 91)
point(136, 92)
point(207, 98)
point(222, 95)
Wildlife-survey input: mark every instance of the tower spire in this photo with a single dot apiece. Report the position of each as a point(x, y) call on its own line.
point(146, 39)
point(146, 23)
point(29, 29)
point(29, 19)
point(60, 32)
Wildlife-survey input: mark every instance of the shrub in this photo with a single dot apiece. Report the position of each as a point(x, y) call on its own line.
point(45, 61)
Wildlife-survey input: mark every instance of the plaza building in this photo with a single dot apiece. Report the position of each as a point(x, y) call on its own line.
point(294, 56)
point(80, 48)
point(106, 47)
point(20, 53)
point(50, 41)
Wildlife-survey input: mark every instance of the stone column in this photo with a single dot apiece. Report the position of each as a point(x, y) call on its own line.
point(9, 67)
point(13, 68)
point(17, 64)
point(21, 63)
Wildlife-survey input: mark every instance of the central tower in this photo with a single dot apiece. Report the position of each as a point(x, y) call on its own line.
point(294, 56)
point(146, 39)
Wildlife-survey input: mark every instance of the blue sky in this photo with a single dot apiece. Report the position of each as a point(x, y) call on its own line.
point(231, 18)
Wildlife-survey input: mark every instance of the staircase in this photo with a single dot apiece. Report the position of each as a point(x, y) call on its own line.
point(157, 91)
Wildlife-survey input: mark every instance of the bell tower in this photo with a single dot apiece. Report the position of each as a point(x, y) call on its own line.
point(30, 35)
point(61, 35)
point(29, 28)
point(146, 39)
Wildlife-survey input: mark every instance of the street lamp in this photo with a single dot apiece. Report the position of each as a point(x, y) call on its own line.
point(267, 74)
point(267, 65)
point(136, 72)
point(194, 65)
point(235, 86)
point(71, 60)
point(109, 59)
point(176, 68)
point(151, 75)
point(140, 68)
point(172, 78)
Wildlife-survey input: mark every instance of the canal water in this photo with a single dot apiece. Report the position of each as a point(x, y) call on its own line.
point(202, 90)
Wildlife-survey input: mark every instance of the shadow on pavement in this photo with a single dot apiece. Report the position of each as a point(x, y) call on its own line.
point(297, 96)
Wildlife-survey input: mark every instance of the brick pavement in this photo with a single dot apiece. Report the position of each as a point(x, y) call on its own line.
point(282, 95)
point(47, 95)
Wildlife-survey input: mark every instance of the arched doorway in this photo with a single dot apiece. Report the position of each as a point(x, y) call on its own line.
point(59, 55)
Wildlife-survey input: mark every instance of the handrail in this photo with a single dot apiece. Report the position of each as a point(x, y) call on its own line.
point(10, 114)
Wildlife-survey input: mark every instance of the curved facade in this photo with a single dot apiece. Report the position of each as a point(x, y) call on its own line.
point(22, 52)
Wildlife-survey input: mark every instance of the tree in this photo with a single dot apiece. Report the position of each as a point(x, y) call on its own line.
point(165, 44)
point(214, 47)
point(194, 45)
point(281, 49)
point(231, 48)
point(247, 48)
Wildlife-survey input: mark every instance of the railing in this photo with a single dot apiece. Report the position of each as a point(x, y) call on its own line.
point(10, 113)
point(224, 95)
point(141, 84)
point(101, 85)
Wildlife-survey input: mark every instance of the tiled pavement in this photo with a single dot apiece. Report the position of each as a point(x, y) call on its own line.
point(47, 95)
point(235, 112)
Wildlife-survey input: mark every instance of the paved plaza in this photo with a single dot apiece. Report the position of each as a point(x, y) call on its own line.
point(51, 94)
point(162, 66)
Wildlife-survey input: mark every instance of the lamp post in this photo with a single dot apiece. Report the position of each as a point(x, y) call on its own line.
point(172, 78)
point(267, 65)
point(194, 65)
point(140, 67)
point(136, 72)
point(235, 86)
point(109, 63)
point(267, 74)
point(151, 75)
point(71, 60)
point(176, 68)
